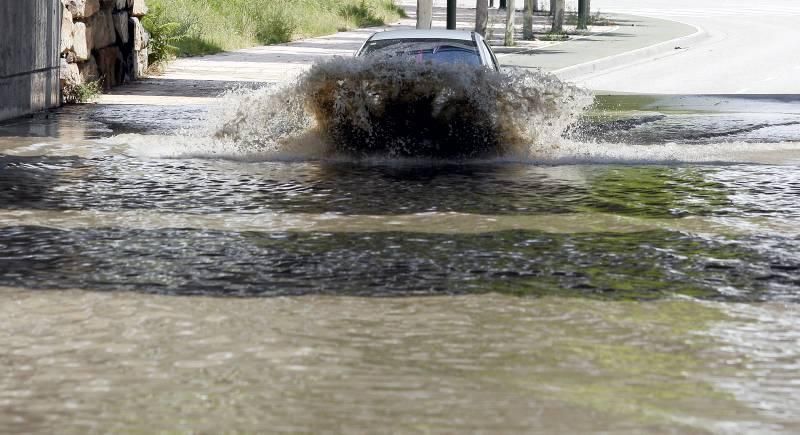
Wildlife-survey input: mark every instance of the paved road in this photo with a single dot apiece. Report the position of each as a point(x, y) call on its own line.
point(753, 48)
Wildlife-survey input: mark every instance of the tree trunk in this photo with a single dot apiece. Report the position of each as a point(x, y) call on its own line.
point(583, 14)
point(509, 38)
point(424, 14)
point(558, 17)
point(527, 20)
point(481, 16)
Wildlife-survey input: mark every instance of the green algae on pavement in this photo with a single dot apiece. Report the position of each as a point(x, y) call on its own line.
point(656, 191)
point(643, 362)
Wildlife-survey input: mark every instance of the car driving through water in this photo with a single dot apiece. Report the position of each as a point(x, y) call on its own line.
point(410, 93)
point(437, 46)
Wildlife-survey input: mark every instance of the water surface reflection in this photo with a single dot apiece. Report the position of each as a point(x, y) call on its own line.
point(313, 364)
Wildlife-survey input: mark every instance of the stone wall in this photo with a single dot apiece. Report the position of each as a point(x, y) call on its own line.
point(29, 61)
point(103, 40)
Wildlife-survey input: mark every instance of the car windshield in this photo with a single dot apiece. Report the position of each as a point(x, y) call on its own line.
point(423, 50)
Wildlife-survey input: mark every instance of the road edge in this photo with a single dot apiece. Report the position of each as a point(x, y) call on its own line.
point(628, 58)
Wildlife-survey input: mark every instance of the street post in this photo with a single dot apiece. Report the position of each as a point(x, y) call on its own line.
point(451, 14)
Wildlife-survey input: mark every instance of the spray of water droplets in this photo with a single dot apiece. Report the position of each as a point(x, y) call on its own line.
point(393, 107)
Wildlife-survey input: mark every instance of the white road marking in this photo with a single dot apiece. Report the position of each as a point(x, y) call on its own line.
point(708, 12)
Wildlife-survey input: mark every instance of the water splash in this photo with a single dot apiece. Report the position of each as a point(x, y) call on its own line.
point(264, 119)
point(393, 107)
point(378, 110)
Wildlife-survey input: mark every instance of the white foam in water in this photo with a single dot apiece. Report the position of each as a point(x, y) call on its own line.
point(575, 152)
point(384, 109)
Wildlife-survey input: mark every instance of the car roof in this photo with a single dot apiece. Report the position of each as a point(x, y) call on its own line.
point(462, 35)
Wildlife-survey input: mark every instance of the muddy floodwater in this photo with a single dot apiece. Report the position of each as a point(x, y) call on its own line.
point(641, 274)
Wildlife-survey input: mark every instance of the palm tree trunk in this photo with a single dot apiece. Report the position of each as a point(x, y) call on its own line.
point(424, 14)
point(583, 14)
point(527, 20)
point(558, 17)
point(509, 38)
point(481, 16)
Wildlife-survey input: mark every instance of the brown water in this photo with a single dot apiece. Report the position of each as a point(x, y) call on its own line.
point(641, 277)
point(81, 361)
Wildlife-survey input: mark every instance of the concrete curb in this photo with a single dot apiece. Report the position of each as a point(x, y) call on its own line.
point(610, 63)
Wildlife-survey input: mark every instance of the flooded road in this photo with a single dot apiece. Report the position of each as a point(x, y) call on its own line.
point(87, 361)
point(640, 275)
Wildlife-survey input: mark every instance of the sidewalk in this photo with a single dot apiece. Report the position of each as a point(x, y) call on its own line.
point(198, 80)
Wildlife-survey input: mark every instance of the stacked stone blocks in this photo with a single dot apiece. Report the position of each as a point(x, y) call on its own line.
point(103, 39)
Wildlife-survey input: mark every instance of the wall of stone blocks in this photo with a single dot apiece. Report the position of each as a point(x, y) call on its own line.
point(103, 40)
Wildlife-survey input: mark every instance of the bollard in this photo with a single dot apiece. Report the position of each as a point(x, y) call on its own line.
point(451, 14)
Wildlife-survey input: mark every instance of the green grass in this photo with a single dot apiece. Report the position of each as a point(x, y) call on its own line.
point(210, 26)
point(571, 19)
point(553, 36)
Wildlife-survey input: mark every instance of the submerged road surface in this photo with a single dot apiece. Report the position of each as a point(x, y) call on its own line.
point(606, 285)
point(751, 49)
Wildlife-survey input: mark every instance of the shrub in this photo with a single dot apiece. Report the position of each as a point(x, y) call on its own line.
point(274, 25)
point(82, 93)
point(164, 33)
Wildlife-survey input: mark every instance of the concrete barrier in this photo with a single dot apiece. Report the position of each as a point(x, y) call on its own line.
point(30, 32)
